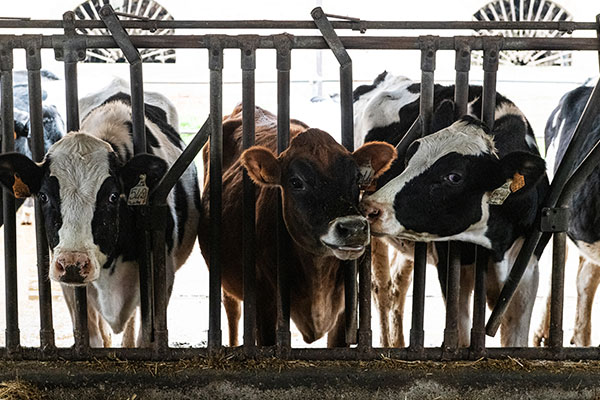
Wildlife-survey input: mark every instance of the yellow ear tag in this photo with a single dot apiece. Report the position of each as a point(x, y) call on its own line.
point(20, 188)
point(138, 195)
point(518, 182)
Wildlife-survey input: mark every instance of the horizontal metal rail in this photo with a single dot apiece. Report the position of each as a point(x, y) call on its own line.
point(563, 26)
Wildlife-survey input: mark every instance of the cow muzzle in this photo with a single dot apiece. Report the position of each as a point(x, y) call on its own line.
point(72, 268)
point(347, 237)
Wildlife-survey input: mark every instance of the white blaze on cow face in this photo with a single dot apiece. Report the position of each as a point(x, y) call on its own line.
point(80, 164)
point(461, 139)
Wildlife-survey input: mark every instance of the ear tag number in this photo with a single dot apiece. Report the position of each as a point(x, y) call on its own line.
point(138, 195)
point(500, 194)
point(20, 188)
point(366, 175)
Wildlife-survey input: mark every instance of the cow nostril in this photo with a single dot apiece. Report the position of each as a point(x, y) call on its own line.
point(341, 230)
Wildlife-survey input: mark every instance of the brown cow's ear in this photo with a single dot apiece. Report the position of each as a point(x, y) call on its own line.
point(373, 159)
point(262, 166)
point(21, 176)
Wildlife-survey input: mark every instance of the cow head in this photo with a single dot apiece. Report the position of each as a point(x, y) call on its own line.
point(446, 188)
point(320, 183)
point(82, 189)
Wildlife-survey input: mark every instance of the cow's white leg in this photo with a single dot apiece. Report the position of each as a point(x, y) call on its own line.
point(588, 277)
point(541, 335)
point(234, 311)
point(467, 282)
point(382, 285)
point(129, 337)
point(402, 280)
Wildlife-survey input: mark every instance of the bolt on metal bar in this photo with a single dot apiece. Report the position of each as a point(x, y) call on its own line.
point(559, 246)
point(34, 64)
point(428, 50)
point(10, 228)
point(477, 348)
point(452, 297)
point(215, 64)
point(336, 46)
point(560, 182)
point(248, 64)
point(283, 43)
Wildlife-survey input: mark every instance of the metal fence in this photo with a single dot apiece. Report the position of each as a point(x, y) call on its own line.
point(70, 47)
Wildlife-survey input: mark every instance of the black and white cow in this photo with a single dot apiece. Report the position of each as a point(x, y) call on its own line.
point(83, 185)
point(52, 122)
point(584, 226)
point(440, 209)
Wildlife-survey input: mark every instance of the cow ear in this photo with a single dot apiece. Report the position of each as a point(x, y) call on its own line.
point(262, 166)
point(525, 170)
point(443, 116)
point(154, 168)
point(373, 159)
point(21, 176)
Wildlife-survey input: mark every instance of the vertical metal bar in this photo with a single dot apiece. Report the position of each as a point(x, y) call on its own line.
point(365, 335)
point(452, 297)
point(479, 302)
point(137, 105)
point(161, 292)
point(559, 245)
point(215, 63)
point(462, 67)
point(428, 50)
point(283, 140)
point(10, 229)
point(598, 35)
point(491, 48)
point(249, 212)
point(34, 64)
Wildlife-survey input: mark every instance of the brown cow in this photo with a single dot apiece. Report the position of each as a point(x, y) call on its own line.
point(320, 182)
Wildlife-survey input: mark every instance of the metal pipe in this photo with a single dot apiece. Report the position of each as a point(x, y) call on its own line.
point(452, 297)
point(215, 63)
point(162, 286)
point(559, 247)
point(477, 348)
point(490, 68)
point(283, 140)
point(34, 64)
point(462, 65)
point(365, 335)
point(10, 229)
point(248, 63)
point(558, 186)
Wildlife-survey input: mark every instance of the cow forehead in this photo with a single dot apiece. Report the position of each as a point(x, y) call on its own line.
point(316, 147)
point(80, 162)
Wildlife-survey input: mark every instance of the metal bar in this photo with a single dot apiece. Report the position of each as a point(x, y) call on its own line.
point(34, 64)
point(563, 26)
point(215, 63)
point(477, 348)
point(490, 68)
point(598, 34)
point(560, 184)
point(248, 63)
point(10, 229)
point(428, 50)
point(412, 134)
point(559, 246)
point(336, 46)
point(365, 335)
point(283, 140)
point(462, 66)
point(452, 297)
point(162, 289)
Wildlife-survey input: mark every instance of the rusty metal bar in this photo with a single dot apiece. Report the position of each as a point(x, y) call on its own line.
point(354, 24)
point(477, 348)
point(462, 65)
point(336, 46)
point(215, 64)
point(428, 50)
point(452, 297)
point(34, 64)
point(283, 140)
point(490, 70)
point(10, 228)
point(248, 63)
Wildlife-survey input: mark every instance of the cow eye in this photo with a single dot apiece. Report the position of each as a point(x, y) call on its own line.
point(43, 197)
point(453, 178)
point(113, 197)
point(296, 183)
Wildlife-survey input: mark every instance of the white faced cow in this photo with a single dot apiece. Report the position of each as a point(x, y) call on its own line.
point(466, 184)
point(583, 224)
point(83, 185)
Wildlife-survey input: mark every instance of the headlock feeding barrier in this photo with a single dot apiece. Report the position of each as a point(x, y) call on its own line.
point(70, 48)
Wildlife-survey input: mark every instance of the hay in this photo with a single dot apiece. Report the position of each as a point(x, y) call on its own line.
point(19, 390)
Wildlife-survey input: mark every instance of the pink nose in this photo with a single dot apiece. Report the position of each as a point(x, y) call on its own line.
point(72, 267)
point(371, 210)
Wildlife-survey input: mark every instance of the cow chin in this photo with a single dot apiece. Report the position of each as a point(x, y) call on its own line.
point(75, 268)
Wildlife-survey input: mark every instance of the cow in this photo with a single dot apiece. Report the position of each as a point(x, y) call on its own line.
point(468, 184)
point(319, 181)
point(52, 123)
point(385, 110)
point(583, 230)
point(83, 186)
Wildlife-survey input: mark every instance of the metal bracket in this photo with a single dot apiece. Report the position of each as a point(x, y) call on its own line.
point(110, 19)
point(33, 44)
point(491, 50)
point(332, 39)
point(283, 44)
point(72, 47)
point(555, 219)
point(428, 45)
point(462, 45)
point(248, 49)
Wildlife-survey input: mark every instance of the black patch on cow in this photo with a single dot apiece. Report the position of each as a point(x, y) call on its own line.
point(181, 209)
point(105, 222)
point(362, 89)
point(50, 190)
